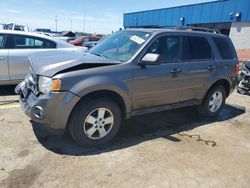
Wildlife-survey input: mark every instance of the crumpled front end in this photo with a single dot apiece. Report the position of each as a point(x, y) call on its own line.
point(52, 110)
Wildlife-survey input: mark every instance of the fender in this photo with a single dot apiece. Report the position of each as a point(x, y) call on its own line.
point(98, 83)
point(226, 73)
point(211, 82)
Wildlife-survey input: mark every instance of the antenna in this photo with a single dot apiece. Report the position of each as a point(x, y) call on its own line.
point(56, 21)
point(84, 16)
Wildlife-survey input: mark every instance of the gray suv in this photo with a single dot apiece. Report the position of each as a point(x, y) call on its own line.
point(130, 73)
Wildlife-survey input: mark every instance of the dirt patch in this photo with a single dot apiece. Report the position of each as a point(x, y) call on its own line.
point(23, 153)
point(198, 138)
point(21, 178)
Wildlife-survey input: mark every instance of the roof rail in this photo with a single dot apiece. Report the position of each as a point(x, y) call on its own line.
point(197, 29)
point(181, 28)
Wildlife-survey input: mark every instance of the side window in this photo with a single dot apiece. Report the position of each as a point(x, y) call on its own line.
point(198, 48)
point(168, 47)
point(86, 39)
point(25, 42)
point(226, 52)
point(93, 39)
point(2, 41)
point(48, 44)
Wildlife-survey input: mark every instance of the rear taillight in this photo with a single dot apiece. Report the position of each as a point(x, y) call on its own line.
point(237, 68)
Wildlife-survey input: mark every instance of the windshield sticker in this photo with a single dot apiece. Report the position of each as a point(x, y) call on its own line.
point(137, 39)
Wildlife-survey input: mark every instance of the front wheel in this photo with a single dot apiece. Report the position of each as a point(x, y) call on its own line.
point(213, 102)
point(96, 122)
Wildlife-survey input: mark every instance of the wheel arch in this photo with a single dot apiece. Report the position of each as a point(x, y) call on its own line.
point(107, 94)
point(222, 82)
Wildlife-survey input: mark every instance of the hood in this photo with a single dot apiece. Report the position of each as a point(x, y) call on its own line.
point(49, 63)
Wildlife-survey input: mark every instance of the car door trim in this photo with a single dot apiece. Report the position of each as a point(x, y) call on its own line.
point(165, 107)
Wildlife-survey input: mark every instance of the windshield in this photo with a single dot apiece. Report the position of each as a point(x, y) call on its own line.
point(121, 46)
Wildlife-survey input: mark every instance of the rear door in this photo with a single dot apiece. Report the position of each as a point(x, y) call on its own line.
point(22, 47)
point(200, 66)
point(4, 70)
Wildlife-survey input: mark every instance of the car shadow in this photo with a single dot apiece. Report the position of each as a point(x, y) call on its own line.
point(7, 90)
point(138, 130)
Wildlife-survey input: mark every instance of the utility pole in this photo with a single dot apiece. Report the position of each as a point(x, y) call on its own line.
point(56, 21)
point(84, 15)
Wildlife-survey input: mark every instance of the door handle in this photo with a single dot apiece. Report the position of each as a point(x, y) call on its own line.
point(175, 71)
point(211, 68)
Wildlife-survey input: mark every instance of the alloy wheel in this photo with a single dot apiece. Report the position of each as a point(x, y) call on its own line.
point(215, 101)
point(98, 123)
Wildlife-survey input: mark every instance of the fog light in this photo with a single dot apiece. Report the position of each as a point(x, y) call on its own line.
point(38, 112)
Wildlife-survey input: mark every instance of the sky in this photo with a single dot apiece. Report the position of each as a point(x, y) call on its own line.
point(100, 16)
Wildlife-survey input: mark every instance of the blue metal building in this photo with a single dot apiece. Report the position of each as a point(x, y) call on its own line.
point(216, 14)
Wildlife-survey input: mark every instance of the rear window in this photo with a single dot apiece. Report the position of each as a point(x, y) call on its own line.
point(198, 48)
point(226, 52)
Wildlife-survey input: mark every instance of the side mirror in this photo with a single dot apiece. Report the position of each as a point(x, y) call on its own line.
point(150, 59)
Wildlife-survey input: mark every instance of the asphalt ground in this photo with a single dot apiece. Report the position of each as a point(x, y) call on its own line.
point(175, 148)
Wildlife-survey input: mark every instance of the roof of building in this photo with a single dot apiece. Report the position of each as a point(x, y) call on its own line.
point(210, 12)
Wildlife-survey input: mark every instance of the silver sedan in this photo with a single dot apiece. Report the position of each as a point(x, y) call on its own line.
point(15, 48)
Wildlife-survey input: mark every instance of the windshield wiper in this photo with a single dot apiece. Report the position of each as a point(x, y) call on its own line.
point(98, 54)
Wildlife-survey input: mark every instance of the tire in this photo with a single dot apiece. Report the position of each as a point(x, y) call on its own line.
point(87, 129)
point(208, 110)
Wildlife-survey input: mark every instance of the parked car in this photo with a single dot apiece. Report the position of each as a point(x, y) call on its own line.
point(90, 45)
point(70, 39)
point(80, 41)
point(243, 86)
point(16, 46)
point(14, 26)
point(130, 73)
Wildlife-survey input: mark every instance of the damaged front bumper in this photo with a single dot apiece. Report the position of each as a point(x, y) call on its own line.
point(51, 110)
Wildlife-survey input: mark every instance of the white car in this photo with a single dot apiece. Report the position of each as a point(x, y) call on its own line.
point(15, 48)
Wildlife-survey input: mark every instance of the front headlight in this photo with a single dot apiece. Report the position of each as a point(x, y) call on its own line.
point(46, 84)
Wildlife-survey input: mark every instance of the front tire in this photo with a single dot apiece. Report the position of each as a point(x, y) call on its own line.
point(213, 102)
point(95, 122)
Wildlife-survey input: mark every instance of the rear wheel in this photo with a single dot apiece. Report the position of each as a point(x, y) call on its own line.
point(96, 122)
point(213, 102)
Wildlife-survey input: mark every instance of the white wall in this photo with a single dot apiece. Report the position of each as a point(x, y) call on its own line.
point(240, 35)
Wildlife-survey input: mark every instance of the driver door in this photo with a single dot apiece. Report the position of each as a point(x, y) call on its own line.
point(160, 84)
